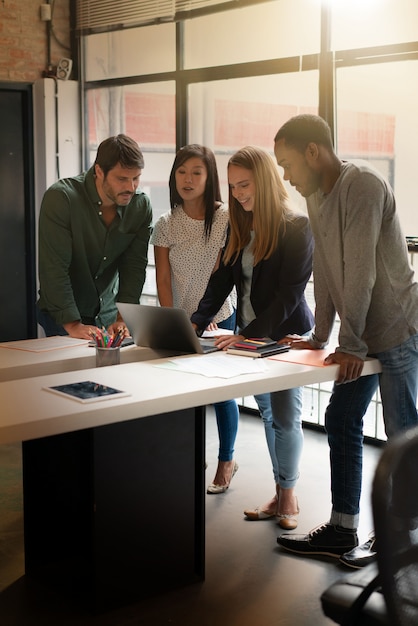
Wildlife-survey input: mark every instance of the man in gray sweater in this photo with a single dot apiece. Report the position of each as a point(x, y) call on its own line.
point(362, 273)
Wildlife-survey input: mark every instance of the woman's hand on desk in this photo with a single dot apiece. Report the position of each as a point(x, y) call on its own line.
point(224, 341)
point(297, 342)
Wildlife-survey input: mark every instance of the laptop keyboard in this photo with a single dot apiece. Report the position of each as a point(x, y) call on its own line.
point(208, 345)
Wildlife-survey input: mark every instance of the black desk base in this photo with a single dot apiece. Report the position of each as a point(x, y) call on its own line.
point(116, 513)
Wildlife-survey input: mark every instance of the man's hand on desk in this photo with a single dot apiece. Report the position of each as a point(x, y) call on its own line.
point(118, 326)
point(79, 330)
point(351, 366)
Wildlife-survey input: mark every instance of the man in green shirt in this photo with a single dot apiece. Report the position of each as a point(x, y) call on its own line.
point(94, 231)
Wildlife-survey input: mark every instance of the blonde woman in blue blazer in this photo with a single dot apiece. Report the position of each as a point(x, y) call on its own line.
point(268, 258)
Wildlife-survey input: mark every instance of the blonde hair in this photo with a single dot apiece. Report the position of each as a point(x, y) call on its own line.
point(271, 207)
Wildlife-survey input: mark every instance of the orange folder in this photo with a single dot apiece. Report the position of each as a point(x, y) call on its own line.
point(304, 357)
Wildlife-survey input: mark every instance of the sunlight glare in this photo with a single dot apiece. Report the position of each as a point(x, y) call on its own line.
point(353, 3)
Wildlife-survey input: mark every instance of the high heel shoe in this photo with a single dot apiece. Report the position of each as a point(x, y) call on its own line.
point(214, 488)
point(288, 521)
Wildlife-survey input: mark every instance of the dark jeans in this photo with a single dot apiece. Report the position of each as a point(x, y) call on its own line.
point(51, 328)
point(398, 383)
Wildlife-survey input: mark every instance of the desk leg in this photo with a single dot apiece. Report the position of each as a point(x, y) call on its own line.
point(116, 513)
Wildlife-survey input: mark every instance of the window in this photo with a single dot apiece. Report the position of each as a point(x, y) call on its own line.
point(229, 114)
point(268, 30)
point(361, 23)
point(376, 118)
point(145, 112)
point(130, 52)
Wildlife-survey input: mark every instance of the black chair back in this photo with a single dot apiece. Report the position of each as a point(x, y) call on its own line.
point(395, 512)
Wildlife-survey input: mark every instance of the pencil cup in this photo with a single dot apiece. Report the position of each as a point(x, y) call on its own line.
point(107, 356)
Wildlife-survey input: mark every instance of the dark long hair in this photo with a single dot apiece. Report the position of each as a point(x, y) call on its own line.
point(212, 193)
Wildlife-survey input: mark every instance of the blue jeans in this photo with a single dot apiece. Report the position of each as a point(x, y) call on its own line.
point(398, 384)
point(227, 414)
point(281, 412)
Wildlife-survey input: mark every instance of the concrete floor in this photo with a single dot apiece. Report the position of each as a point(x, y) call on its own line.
point(249, 580)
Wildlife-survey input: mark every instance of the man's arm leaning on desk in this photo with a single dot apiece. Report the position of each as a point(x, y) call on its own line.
point(351, 366)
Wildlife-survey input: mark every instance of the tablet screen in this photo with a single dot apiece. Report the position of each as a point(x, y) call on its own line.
point(87, 391)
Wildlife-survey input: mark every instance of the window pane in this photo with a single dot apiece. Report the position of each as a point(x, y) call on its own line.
point(377, 120)
point(265, 31)
point(229, 114)
point(147, 114)
point(363, 23)
point(132, 52)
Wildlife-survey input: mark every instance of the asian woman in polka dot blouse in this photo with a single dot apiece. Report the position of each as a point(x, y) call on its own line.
point(187, 243)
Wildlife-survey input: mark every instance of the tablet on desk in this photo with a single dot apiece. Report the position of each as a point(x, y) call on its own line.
point(87, 391)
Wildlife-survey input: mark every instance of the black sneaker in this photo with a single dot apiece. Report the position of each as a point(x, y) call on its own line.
point(327, 539)
point(361, 556)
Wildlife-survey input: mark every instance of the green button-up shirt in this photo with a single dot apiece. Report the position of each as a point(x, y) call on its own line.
point(85, 266)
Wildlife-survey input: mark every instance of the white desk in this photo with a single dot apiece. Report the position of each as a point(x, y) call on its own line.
point(114, 491)
point(153, 391)
point(15, 364)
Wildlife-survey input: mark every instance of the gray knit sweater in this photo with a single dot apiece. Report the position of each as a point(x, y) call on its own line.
point(361, 267)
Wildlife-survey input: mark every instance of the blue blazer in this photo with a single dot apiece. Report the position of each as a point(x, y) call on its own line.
point(277, 289)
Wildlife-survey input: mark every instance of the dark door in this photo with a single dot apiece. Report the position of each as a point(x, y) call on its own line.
point(17, 232)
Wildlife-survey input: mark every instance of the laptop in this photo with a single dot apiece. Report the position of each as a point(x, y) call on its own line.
point(163, 328)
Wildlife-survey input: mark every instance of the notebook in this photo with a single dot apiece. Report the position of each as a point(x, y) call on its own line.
point(163, 328)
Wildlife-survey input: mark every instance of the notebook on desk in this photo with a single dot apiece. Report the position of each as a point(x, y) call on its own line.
point(163, 328)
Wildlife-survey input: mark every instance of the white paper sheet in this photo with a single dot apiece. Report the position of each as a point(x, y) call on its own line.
point(44, 344)
point(217, 333)
point(216, 365)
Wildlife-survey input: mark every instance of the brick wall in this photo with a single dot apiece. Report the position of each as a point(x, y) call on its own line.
point(24, 41)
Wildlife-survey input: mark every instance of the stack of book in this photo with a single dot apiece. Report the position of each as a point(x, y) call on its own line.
point(258, 347)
